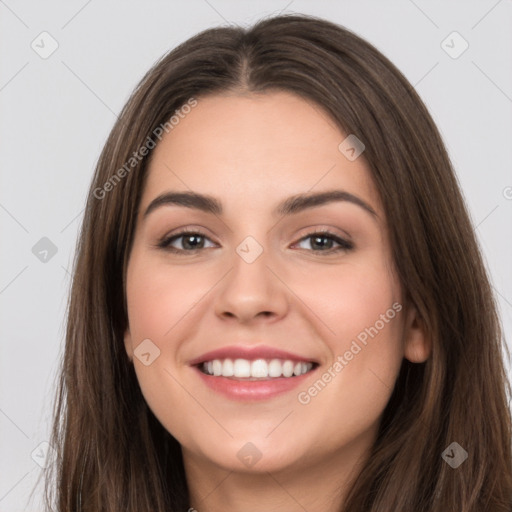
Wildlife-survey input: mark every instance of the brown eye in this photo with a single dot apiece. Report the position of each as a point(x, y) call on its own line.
point(326, 242)
point(186, 241)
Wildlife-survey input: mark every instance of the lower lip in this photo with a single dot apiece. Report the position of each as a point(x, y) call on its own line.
point(252, 390)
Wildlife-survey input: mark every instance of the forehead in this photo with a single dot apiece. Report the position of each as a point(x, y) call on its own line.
point(257, 148)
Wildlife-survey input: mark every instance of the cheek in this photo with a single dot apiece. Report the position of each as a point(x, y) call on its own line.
point(362, 310)
point(160, 297)
point(351, 300)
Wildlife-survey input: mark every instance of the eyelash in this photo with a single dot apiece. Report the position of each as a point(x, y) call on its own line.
point(165, 242)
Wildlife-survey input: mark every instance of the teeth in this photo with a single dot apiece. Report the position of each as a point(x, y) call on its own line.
point(242, 368)
point(257, 369)
point(275, 368)
point(228, 368)
point(217, 367)
point(288, 368)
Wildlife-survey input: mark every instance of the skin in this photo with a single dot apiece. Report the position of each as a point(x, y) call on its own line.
point(294, 296)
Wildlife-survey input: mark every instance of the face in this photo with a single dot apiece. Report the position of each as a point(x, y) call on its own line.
point(260, 285)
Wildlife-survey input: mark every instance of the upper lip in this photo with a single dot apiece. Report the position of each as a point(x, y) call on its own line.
point(253, 352)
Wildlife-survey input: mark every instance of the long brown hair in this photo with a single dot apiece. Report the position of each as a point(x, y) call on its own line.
point(113, 454)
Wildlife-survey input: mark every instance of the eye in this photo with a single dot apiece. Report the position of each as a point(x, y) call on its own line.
point(325, 241)
point(190, 241)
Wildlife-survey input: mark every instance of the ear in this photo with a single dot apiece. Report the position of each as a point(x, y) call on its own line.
point(128, 345)
point(417, 345)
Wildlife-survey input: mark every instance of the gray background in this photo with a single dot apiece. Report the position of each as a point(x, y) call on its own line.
point(57, 112)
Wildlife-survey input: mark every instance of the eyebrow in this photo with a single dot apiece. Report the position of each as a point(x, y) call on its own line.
point(290, 206)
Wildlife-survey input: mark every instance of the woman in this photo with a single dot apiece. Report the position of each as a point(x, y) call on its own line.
point(278, 300)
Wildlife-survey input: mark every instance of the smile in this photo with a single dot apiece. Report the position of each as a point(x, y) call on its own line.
point(258, 369)
point(253, 373)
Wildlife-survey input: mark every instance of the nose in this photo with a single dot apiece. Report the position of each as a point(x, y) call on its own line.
point(252, 292)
